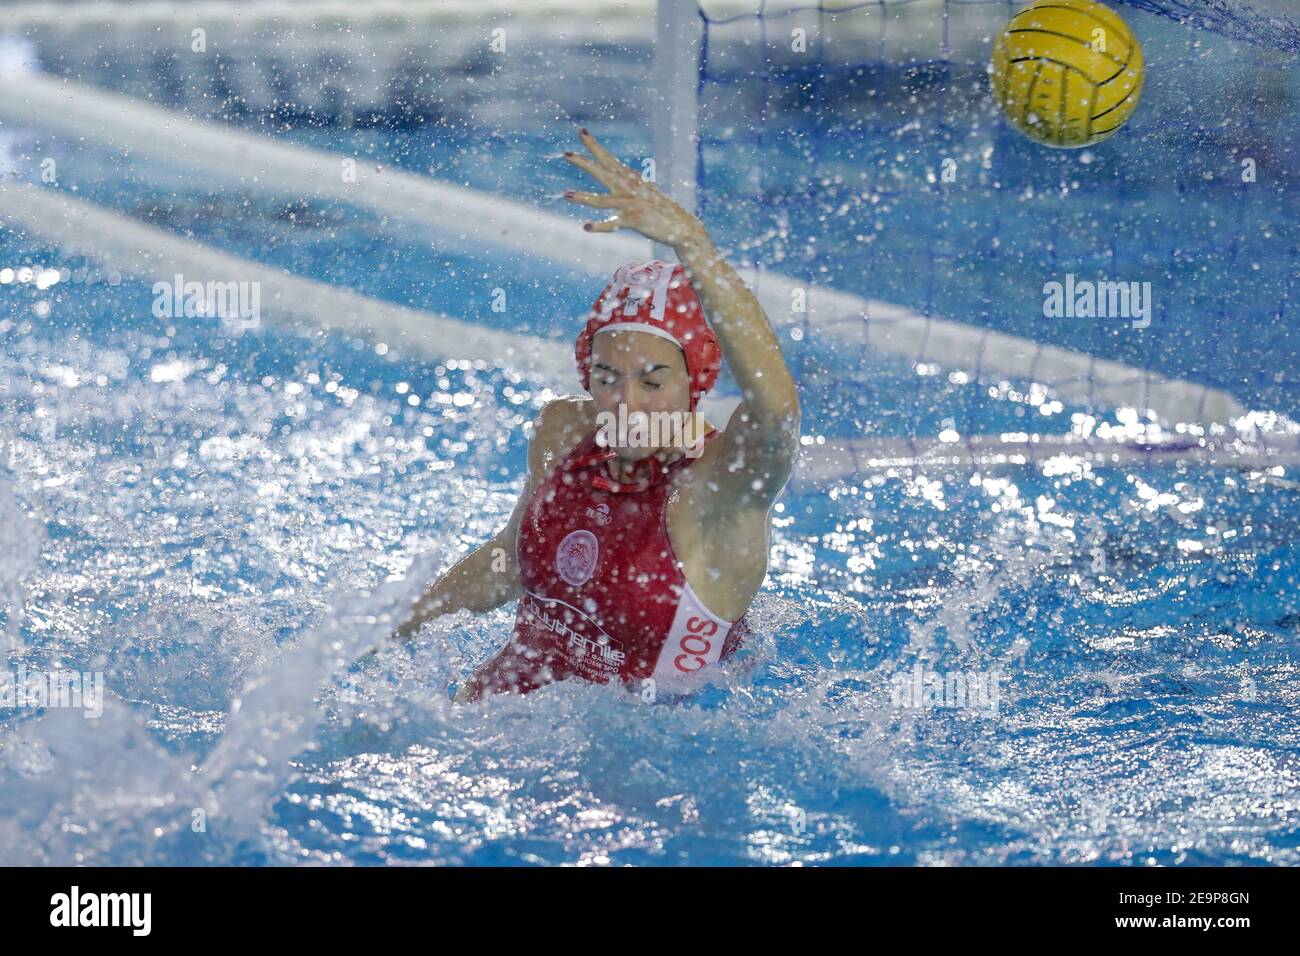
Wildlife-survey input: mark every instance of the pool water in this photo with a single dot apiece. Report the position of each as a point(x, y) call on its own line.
point(219, 524)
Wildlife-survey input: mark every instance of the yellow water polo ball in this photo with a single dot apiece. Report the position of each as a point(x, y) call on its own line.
point(1067, 73)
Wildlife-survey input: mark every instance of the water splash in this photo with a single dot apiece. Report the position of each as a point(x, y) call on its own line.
point(20, 554)
point(75, 791)
point(277, 714)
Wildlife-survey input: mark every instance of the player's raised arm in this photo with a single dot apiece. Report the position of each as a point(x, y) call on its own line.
point(749, 466)
point(756, 453)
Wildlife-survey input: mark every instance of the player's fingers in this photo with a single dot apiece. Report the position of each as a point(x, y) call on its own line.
point(603, 156)
point(605, 225)
point(599, 200)
point(590, 166)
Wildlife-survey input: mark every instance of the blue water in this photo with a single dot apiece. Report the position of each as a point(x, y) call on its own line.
point(209, 518)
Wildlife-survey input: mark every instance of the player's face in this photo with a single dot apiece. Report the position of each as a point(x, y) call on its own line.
point(646, 374)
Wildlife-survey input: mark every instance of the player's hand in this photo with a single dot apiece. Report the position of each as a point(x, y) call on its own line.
point(637, 203)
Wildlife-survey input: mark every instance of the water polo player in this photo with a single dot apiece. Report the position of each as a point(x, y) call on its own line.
point(635, 551)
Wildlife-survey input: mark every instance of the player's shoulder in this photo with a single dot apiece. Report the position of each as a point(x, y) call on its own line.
point(558, 428)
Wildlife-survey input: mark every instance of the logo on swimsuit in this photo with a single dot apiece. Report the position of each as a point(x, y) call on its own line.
point(575, 558)
point(695, 641)
point(599, 514)
point(593, 653)
point(695, 644)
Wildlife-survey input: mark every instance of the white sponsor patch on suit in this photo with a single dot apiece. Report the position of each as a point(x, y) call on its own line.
point(695, 640)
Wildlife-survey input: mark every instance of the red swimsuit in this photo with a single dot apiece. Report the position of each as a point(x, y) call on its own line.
point(604, 594)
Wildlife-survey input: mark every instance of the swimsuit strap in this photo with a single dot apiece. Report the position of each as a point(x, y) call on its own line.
point(604, 482)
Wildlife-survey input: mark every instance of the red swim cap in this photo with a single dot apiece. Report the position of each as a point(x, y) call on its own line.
point(655, 297)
